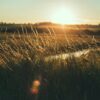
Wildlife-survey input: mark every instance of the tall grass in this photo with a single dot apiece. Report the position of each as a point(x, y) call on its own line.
point(22, 60)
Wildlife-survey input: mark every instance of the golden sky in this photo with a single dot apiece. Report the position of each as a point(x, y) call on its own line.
point(60, 11)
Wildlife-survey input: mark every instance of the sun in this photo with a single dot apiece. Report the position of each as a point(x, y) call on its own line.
point(64, 16)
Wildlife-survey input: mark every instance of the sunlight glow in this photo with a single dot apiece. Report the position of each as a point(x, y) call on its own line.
point(64, 16)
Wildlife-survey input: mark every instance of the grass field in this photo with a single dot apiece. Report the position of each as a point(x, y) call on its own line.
point(22, 61)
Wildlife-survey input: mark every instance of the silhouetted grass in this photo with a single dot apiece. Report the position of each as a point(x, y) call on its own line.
point(71, 79)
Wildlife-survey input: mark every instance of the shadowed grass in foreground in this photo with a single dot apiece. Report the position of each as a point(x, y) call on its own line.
point(70, 79)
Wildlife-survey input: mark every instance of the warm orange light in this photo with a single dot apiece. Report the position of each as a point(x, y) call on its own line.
point(35, 87)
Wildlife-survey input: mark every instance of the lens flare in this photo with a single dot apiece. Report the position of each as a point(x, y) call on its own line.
point(35, 87)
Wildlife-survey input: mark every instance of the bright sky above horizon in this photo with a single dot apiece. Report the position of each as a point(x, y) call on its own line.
point(61, 11)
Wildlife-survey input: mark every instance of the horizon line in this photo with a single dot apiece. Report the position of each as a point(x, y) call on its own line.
point(49, 22)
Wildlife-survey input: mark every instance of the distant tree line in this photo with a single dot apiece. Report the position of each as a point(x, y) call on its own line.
point(42, 28)
point(22, 28)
